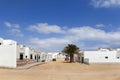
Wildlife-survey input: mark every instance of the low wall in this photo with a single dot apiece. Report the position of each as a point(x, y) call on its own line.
point(25, 62)
point(89, 61)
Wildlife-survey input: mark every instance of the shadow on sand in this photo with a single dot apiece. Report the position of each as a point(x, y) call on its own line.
point(67, 62)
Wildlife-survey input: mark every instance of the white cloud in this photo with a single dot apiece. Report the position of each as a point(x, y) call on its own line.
point(89, 33)
point(10, 25)
point(79, 36)
point(46, 28)
point(118, 29)
point(49, 44)
point(15, 32)
point(16, 26)
point(14, 29)
point(106, 3)
point(85, 33)
point(100, 25)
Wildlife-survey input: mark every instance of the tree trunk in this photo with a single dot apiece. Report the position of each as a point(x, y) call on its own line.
point(71, 58)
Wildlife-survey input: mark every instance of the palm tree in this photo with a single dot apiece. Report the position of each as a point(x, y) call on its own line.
point(71, 49)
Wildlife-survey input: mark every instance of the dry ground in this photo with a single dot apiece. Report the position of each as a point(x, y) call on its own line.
point(61, 70)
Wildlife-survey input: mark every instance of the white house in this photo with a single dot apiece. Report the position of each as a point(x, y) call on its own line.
point(44, 57)
point(26, 55)
point(8, 53)
point(55, 55)
point(13, 54)
point(61, 56)
point(49, 56)
point(100, 56)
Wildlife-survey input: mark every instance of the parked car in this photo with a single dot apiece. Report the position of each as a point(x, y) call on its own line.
point(43, 61)
point(54, 59)
point(67, 58)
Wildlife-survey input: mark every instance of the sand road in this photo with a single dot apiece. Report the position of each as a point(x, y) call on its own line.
point(60, 70)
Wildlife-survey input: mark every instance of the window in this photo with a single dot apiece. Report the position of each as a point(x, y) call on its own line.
point(35, 57)
point(106, 57)
point(39, 57)
point(21, 56)
point(31, 57)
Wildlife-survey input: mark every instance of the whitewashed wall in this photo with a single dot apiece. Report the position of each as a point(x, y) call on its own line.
point(20, 50)
point(99, 57)
point(118, 53)
point(27, 52)
point(8, 56)
point(43, 56)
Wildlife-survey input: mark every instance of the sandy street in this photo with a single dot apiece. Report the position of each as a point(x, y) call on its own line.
point(60, 70)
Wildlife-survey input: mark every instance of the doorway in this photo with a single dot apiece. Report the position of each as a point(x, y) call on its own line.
point(21, 56)
point(82, 61)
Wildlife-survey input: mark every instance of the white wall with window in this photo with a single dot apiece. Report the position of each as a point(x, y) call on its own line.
point(101, 56)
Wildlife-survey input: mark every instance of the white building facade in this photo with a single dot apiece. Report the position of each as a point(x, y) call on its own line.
point(13, 54)
point(100, 56)
point(55, 55)
point(8, 54)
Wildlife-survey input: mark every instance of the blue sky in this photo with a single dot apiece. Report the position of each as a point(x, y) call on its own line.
point(49, 25)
